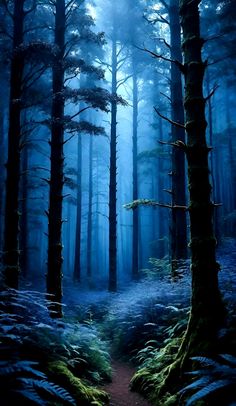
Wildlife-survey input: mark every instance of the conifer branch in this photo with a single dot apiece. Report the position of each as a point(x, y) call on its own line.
point(169, 120)
point(212, 92)
point(164, 58)
point(147, 202)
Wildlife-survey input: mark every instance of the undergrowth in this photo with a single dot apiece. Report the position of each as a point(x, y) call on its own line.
point(215, 381)
point(34, 347)
point(148, 311)
point(216, 378)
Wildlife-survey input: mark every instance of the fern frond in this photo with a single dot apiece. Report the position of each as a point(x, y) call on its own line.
point(32, 395)
point(198, 372)
point(207, 390)
point(196, 384)
point(50, 388)
point(229, 358)
point(207, 362)
point(7, 368)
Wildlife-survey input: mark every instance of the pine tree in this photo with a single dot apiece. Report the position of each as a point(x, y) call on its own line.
point(207, 310)
point(11, 232)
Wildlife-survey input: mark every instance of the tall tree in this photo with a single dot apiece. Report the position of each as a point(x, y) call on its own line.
point(178, 223)
point(207, 310)
point(24, 248)
point(11, 233)
point(66, 64)
point(90, 211)
point(135, 237)
point(112, 286)
point(178, 227)
point(77, 264)
point(54, 285)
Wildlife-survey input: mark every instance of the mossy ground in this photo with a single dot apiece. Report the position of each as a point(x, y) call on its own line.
point(83, 393)
point(149, 379)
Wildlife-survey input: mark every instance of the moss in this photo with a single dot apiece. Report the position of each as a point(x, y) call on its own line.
point(171, 400)
point(149, 379)
point(83, 393)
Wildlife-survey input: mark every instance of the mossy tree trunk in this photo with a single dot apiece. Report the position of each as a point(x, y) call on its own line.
point(11, 231)
point(207, 310)
point(54, 274)
point(206, 307)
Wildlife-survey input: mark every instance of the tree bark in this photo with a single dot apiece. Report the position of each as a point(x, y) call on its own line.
point(162, 250)
point(90, 200)
point(2, 171)
point(232, 161)
point(135, 239)
point(178, 217)
point(54, 275)
point(214, 190)
point(24, 213)
point(77, 266)
point(11, 232)
point(112, 285)
point(206, 307)
point(207, 310)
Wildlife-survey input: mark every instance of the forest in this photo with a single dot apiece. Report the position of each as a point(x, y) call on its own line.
point(117, 202)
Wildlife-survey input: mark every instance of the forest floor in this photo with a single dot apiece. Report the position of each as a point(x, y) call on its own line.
point(118, 389)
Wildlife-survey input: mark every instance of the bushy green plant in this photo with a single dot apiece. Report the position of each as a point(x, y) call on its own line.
point(159, 268)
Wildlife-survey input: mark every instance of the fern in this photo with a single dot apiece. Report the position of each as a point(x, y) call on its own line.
point(26, 367)
point(21, 378)
point(48, 388)
point(208, 390)
point(32, 396)
point(215, 376)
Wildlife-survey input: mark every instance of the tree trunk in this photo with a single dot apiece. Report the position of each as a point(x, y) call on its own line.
point(162, 248)
point(24, 213)
point(11, 233)
point(135, 239)
point(206, 307)
point(210, 124)
point(232, 161)
point(2, 171)
point(54, 275)
point(77, 266)
point(97, 225)
point(112, 286)
point(207, 310)
point(67, 263)
point(90, 201)
point(178, 217)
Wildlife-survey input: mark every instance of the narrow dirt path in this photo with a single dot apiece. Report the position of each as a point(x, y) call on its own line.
point(118, 389)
